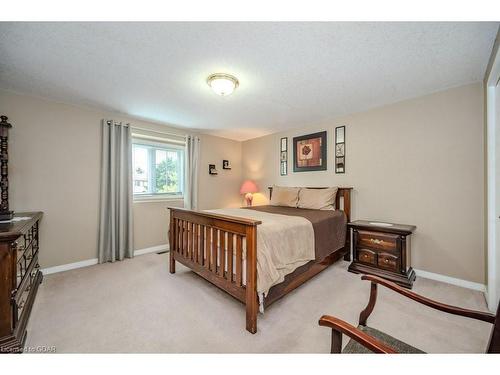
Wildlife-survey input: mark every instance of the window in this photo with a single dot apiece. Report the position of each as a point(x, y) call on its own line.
point(158, 169)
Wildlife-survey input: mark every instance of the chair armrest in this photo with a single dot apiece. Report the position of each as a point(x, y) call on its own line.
point(479, 315)
point(354, 333)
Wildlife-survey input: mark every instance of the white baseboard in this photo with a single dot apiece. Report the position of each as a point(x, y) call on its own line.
point(451, 280)
point(153, 249)
point(165, 247)
point(92, 262)
point(69, 266)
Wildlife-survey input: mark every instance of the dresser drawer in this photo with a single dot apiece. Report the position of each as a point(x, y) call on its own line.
point(367, 256)
point(382, 250)
point(378, 241)
point(388, 262)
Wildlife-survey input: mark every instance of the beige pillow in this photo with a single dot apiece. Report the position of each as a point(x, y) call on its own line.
point(318, 199)
point(285, 196)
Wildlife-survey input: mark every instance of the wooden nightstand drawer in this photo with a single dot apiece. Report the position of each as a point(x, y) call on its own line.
point(388, 262)
point(378, 241)
point(382, 249)
point(367, 256)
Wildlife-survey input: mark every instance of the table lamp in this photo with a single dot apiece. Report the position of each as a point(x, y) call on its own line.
point(248, 188)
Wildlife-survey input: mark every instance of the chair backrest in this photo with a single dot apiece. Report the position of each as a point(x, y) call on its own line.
point(494, 344)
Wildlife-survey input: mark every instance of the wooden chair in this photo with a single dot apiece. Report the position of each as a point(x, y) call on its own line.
point(367, 340)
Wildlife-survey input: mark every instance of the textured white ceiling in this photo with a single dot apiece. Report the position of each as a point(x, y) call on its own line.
point(291, 74)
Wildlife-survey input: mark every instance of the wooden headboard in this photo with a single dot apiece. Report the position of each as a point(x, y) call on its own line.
point(344, 193)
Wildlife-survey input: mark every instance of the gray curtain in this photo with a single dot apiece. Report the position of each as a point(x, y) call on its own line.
point(191, 180)
point(115, 222)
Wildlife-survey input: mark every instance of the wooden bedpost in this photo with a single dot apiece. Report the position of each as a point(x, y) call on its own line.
point(171, 242)
point(251, 301)
point(346, 193)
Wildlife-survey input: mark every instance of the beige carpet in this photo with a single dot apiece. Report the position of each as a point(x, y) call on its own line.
point(137, 306)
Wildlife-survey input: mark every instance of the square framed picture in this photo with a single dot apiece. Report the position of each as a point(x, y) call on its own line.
point(310, 152)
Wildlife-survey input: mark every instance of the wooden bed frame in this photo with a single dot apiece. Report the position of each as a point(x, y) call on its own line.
point(193, 238)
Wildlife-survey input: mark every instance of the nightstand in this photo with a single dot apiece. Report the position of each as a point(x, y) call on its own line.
point(382, 249)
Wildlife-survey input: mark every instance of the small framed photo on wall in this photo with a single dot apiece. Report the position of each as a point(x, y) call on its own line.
point(284, 156)
point(340, 149)
point(310, 152)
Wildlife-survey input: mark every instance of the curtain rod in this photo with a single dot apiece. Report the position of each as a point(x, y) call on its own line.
point(156, 131)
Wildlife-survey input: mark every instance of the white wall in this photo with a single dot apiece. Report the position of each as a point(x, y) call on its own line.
point(495, 298)
point(492, 169)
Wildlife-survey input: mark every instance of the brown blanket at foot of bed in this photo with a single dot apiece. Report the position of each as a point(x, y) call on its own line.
point(329, 226)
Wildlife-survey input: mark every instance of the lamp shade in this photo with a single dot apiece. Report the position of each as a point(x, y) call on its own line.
point(248, 187)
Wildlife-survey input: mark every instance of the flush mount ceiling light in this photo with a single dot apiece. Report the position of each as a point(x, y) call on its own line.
point(222, 84)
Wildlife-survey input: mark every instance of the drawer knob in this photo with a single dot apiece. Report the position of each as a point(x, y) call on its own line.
point(375, 241)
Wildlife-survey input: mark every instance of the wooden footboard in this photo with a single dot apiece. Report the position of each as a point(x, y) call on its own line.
point(212, 246)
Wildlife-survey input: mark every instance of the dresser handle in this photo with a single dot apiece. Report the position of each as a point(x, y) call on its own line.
point(378, 242)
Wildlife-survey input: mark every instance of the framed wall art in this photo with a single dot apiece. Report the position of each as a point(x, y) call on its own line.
point(226, 165)
point(310, 152)
point(340, 149)
point(284, 156)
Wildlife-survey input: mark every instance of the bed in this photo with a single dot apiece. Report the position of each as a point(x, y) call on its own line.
point(223, 246)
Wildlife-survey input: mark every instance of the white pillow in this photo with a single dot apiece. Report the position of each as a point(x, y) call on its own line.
point(285, 196)
point(317, 199)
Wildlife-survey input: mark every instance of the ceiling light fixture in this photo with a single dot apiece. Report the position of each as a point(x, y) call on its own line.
point(222, 84)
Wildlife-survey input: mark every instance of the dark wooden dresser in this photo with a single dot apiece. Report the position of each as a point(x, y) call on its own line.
point(382, 251)
point(19, 278)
